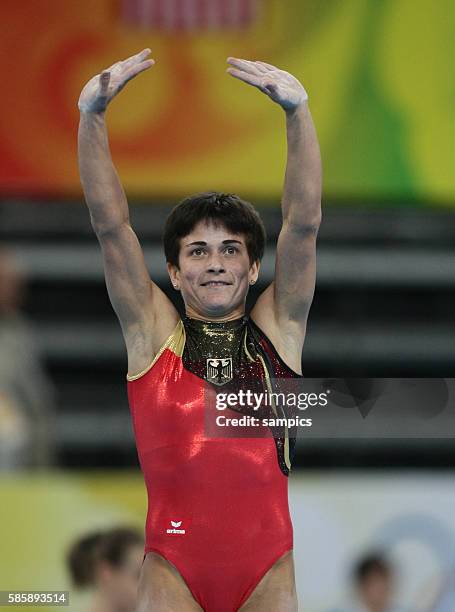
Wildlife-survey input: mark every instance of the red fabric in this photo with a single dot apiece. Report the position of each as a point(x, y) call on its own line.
point(229, 494)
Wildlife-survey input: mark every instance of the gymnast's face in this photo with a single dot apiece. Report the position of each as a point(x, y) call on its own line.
point(215, 272)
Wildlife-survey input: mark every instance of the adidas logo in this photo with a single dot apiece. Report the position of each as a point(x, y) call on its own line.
point(174, 529)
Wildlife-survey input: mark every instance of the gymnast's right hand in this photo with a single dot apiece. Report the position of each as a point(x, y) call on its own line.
point(99, 91)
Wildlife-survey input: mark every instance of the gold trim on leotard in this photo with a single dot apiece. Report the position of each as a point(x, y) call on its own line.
point(248, 354)
point(175, 342)
point(287, 458)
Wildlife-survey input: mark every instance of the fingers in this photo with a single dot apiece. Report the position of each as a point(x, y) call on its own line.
point(143, 54)
point(112, 66)
point(133, 59)
point(244, 65)
point(249, 66)
point(105, 77)
point(271, 87)
point(130, 74)
point(267, 66)
point(138, 58)
point(251, 79)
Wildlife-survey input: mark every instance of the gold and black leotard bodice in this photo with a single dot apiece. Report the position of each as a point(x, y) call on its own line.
point(237, 355)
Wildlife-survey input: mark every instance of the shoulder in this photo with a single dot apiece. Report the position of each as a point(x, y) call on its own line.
point(145, 344)
point(290, 359)
point(286, 333)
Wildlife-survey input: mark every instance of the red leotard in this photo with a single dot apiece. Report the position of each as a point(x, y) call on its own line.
point(217, 506)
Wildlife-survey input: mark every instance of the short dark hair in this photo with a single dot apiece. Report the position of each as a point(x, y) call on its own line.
point(227, 209)
point(111, 546)
point(81, 559)
point(374, 563)
point(116, 543)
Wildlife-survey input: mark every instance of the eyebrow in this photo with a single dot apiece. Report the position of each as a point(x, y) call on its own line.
point(203, 243)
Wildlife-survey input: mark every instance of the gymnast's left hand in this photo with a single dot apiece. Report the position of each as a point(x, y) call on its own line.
point(280, 86)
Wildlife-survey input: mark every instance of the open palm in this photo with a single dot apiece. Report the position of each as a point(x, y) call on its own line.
point(99, 91)
point(280, 86)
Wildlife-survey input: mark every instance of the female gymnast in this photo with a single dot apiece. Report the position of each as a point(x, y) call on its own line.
point(218, 530)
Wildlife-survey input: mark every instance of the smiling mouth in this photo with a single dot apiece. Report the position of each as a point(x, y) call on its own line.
point(215, 284)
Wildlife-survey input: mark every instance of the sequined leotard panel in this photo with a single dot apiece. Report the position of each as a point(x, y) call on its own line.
point(217, 506)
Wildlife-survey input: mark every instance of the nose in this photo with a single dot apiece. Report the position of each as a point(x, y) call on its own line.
point(215, 265)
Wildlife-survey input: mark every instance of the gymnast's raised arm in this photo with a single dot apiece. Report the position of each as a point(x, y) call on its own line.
point(136, 299)
point(282, 309)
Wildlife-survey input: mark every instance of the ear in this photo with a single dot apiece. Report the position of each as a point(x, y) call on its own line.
point(174, 275)
point(254, 271)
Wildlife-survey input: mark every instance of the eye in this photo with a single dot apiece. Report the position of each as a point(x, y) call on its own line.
point(198, 251)
point(230, 250)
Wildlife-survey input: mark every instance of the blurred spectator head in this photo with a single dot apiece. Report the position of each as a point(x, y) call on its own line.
point(12, 282)
point(119, 566)
point(81, 560)
point(373, 576)
point(109, 562)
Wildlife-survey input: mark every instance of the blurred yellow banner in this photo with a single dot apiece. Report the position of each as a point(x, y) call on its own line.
point(42, 515)
point(378, 75)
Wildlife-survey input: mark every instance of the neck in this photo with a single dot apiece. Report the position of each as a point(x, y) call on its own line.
point(238, 313)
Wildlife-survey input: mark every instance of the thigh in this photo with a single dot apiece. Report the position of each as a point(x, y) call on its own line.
point(276, 591)
point(162, 588)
